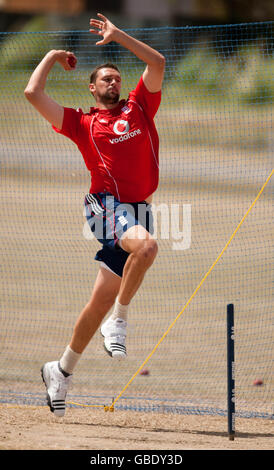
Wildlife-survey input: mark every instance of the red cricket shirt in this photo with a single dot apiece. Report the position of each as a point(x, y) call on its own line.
point(120, 146)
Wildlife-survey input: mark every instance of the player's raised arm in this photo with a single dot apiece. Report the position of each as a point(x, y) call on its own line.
point(154, 72)
point(34, 91)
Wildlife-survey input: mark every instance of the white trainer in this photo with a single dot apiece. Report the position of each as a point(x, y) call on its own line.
point(57, 386)
point(114, 332)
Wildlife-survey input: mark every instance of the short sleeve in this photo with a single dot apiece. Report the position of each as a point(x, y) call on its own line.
point(71, 124)
point(150, 102)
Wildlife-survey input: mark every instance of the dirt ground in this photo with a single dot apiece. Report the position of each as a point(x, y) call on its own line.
point(35, 428)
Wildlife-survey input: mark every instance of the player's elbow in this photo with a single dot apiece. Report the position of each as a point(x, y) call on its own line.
point(29, 93)
point(161, 61)
point(157, 62)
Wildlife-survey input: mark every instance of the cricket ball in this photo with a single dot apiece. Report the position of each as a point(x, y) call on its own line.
point(258, 382)
point(144, 372)
point(71, 61)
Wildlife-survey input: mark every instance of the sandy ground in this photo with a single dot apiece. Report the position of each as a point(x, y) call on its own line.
point(35, 428)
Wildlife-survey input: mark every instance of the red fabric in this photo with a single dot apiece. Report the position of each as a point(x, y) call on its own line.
point(120, 147)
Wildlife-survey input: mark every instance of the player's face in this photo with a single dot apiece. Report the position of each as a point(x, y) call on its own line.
point(107, 86)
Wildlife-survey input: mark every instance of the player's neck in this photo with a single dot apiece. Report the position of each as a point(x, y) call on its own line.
point(106, 106)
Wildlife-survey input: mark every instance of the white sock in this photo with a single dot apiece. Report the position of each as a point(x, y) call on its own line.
point(69, 360)
point(120, 311)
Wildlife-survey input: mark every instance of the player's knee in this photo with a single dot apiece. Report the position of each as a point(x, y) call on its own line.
point(148, 252)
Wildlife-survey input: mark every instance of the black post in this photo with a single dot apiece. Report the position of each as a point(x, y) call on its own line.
point(230, 372)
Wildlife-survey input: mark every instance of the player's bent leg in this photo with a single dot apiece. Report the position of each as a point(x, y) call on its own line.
point(143, 249)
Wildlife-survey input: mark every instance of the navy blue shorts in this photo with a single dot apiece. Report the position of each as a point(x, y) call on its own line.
point(109, 219)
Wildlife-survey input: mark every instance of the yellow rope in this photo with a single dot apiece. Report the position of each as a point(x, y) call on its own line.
point(194, 293)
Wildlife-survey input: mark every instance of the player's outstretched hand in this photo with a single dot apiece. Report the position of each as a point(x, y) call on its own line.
point(103, 28)
point(66, 59)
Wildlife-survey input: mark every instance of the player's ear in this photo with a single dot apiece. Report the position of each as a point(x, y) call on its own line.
point(92, 88)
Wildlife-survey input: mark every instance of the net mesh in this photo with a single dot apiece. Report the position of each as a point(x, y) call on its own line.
point(216, 151)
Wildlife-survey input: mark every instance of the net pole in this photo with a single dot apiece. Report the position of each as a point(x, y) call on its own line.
point(230, 372)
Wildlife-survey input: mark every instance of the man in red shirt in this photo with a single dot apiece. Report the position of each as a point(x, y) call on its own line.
point(119, 143)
